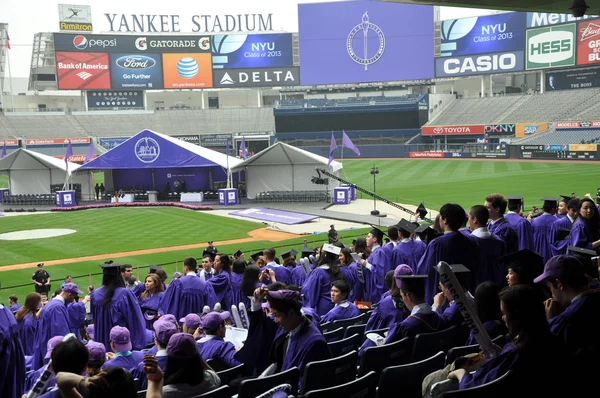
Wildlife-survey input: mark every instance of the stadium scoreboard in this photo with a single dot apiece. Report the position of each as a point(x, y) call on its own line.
point(558, 152)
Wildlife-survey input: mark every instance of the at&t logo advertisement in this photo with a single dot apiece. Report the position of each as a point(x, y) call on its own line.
point(147, 150)
point(551, 46)
point(136, 71)
point(187, 70)
point(82, 71)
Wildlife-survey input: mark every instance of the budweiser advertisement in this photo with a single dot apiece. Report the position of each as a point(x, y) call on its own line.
point(426, 154)
point(478, 129)
point(588, 42)
point(58, 141)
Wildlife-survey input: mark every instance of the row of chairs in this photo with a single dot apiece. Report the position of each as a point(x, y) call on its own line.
point(292, 196)
point(30, 199)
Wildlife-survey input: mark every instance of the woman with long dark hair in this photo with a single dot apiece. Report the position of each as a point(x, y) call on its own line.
point(27, 322)
point(113, 305)
point(317, 288)
point(487, 306)
point(365, 282)
point(348, 269)
point(221, 282)
point(237, 275)
point(586, 229)
point(150, 298)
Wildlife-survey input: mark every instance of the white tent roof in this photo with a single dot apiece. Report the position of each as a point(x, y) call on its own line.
point(285, 154)
point(24, 159)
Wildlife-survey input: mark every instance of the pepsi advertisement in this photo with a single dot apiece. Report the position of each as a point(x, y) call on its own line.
point(136, 71)
point(252, 51)
point(486, 34)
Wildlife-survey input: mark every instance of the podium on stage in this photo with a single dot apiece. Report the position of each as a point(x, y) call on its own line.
point(341, 196)
point(228, 197)
point(65, 199)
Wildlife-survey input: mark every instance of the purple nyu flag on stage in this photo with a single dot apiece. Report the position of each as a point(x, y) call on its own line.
point(347, 143)
point(68, 154)
point(332, 149)
point(243, 148)
point(90, 152)
point(280, 216)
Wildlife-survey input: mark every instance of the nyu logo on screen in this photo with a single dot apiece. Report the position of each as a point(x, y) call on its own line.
point(361, 55)
point(147, 150)
point(252, 51)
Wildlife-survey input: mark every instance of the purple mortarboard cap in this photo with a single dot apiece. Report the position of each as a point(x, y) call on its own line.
point(164, 330)
point(560, 267)
point(121, 337)
point(53, 342)
point(90, 331)
point(97, 353)
point(213, 320)
point(401, 270)
point(71, 288)
point(182, 345)
point(192, 321)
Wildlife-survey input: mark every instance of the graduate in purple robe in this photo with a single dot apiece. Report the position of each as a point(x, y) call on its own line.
point(221, 282)
point(317, 288)
point(125, 356)
point(282, 274)
point(391, 309)
point(113, 305)
point(443, 302)
point(487, 307)
point(12, 301)
point(491, 248)
point(188, 294)
point(212, 345)
point(27, 322)
point(453, 248)
point(496, 205)
point(53, 321)
point(542, 233)
point(237, 274)
point(339, 297)
point(520, 225)
point(12, 358)
point(378, 263)
point(408, 251)
point(558, 244)
point(150, 298)
point(586, 230)
point(76, 311)
point(162, 334)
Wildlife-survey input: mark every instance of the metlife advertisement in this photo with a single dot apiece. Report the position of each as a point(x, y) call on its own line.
point(486, 34)
point(252, 51)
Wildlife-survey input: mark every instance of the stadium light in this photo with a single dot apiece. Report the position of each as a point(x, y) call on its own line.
point(374, 172)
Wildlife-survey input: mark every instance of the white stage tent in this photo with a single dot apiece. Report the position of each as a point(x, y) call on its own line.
point(282, 167)
point(31, 172)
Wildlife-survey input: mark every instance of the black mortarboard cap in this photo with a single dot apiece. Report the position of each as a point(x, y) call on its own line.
point(256, 255)
point(585, 256)
point(376, 232)
point(523, 258)
point(154, 268)
point(111, 268)
point(422, 211)
point(406, 226)
point(457, 268)
point(412, 283)
point(550, 200)
point(422, 228)
point(515, 199)
point(582, 251)
point(562, 233)
point(238, 253)
point(286, 255)
point(306, 252)
point(209, 254)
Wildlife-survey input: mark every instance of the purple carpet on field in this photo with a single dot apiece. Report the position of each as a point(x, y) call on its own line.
point(280, 216)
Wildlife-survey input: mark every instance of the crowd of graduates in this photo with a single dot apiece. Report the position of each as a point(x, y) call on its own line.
point(531, 277)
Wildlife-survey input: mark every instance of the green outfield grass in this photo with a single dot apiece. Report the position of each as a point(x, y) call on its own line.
point(3, 181)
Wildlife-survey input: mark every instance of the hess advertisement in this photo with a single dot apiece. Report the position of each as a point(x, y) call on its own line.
point(483, 64)
point(136, 71)
point(252, 51)
point(588, 42)
point(551, 47)
point(82, 71)
point(361, 42)
point(486, 34)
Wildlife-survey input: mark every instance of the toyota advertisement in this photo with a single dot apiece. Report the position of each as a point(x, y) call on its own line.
point(136, 71)
point(82, 71)
point(588, 42)
point(478, 129)
point(361, 42)
point(252, 51)
point(486, 34)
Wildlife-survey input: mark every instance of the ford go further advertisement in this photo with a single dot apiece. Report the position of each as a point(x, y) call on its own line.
point(486, 34)
point(252, 51)
point(136, 71)
point(365, 41)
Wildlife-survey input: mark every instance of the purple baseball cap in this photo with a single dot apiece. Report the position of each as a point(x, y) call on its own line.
point(286, 294)
point(560, 267)
point(182, 345)
point(121, 337)
point(90, 331)
point(71, 288)
point(170, 318)
point(400, 270)
point(53, 342)
point(192, 321)
point(164, 330)
point(213, 320)
point(97, 353)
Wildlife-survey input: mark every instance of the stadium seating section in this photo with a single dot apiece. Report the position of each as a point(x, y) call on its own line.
point(346, 102)
point(578, 136)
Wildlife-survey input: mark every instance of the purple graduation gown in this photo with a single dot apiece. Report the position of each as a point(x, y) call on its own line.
point(385, 315)
point(12, 359)
point(523, 229)
point(493, 328)
point(380, 262)
point(491, 268)
point(408, 253)
point(558, 247)
point(221, 285)
point(138, 371)
point(340, 312)
point(317, 291)
point(492, 369)
point(262, 332)
point(27, 328)
point(416, 324)
point(76, 318)
point(450, 314)
point(542, 235)
point(124, 310)
point(453, 248)
point(579, 236)
point(186, 295)
point(54, 321)
point(236, 290)
point(505, 231)
point(282, 274)
point(219, 349)
point(298, 276)
point(153, 303)
point(128, 362)
point(15, 307)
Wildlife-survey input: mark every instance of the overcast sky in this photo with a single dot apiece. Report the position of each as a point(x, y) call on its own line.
point(27, 17)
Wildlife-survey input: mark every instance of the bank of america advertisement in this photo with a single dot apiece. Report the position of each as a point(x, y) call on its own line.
point(486, 34)
point(361, 42)
point(252, 51)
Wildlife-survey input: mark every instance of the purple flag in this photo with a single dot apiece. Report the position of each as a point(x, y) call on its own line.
point(68, 154)
point(332, 149)
point(3, 151)
point(347, 143)
point(243, 148)
point(90, 153)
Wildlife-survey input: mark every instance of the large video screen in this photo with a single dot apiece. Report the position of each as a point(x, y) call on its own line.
point(365, 41)
point(252, 51)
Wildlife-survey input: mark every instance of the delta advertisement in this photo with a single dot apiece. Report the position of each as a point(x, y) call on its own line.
point(478, 129)
point(362, 42)
point(551, 47)
point(527, 129)
point(575, 78)
point(485, 34)
point(588, 42)
point(252, 51)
